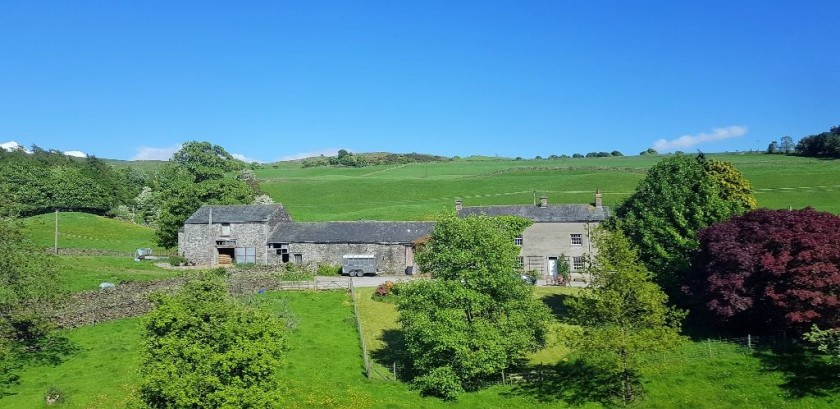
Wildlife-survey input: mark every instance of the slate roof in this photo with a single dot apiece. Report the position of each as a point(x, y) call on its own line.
point(236, 213)
point(350, 232)
point(551, 213)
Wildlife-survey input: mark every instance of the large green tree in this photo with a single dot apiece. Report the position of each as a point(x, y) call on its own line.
point(29, 286)
point(623, 315)
point(679, 196)
point(204, 349)
point(476, 317)
point(199, 173)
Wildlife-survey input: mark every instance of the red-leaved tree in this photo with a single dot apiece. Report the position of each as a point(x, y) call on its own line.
point(772, 270)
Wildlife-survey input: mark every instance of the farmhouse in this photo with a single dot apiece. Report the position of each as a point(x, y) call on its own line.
point(266, 234)
point(559, 231)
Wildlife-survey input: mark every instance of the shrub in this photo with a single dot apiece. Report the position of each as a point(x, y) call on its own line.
point(385, 292)
point(441, 382)
point(177, 261)
point(329, 270)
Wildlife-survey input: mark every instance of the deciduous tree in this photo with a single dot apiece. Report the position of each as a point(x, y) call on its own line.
point(679, 196)
point(772, 270)
point(206, 350)
point(200, 173)
point(476, 317)
point(623, 315)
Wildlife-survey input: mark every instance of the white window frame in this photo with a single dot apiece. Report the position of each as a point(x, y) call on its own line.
point(578, 263)
point(576, 237)
point(520, 262)
point(518, 240)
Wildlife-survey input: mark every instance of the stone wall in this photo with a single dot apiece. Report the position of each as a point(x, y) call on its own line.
point(543, 240)
point(132, 299)
point(390, 258)
point(199, 241)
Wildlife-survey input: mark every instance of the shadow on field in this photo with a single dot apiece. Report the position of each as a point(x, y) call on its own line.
point(392, 353)
point(574, 383)
point(805, 373)
point(557, 304)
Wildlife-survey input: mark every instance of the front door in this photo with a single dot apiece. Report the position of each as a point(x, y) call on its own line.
point(552, 266)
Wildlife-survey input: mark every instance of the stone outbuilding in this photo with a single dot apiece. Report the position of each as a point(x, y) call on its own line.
point(559, 231)
point(391, 243)
point(219, 235)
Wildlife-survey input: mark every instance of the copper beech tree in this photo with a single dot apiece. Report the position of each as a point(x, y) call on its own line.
point(771, 270)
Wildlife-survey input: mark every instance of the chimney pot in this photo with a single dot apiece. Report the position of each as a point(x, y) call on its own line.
point(544, 201)
point(458, 205)
point(599, 200)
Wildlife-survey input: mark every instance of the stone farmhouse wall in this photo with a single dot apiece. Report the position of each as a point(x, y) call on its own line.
point(198, 241)
point(390, 258)
point(543, 240)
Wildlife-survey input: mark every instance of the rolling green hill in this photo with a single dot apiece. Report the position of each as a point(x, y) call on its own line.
point(420, 191)
point(87, 231)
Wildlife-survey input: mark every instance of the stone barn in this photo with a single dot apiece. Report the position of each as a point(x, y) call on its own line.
point(559, 231)
point(327, 242)
point(219, 235)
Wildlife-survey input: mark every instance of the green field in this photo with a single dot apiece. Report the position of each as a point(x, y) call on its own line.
point(79, 273)
point(421, 191)
point(87, 231)
point(324, 369)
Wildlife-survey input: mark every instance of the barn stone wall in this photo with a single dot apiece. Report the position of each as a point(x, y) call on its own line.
point(198, 243)
point(390, 258)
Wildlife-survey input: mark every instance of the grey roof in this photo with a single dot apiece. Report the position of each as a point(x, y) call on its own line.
point(235, 213)
point(350, 232)
point(550, 213)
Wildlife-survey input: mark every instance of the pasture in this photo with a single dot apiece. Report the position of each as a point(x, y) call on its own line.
point(86, 231)
point(324, 369)
point(420, 191)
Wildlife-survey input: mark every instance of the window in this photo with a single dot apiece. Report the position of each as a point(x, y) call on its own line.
point(245, 255)
point(577, 239)
point(298, 258)
point(520, 262)
point(578, 263)
point(225, 230)
point(517, 240)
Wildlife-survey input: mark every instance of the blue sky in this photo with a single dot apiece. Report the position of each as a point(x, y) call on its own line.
point(272, 80)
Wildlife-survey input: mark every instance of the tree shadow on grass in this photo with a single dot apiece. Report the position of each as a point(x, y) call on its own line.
point(393, 353)
point(805, 373)
point(557, 304)
point(574, 383)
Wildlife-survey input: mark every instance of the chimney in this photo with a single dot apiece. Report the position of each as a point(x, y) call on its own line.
point(599, 201)
point(543, 201)
point(458, 205)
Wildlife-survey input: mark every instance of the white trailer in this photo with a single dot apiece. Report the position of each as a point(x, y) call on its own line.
point(357, 265)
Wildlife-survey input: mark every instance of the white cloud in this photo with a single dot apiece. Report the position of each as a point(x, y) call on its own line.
point(149, 153)
point(12, 146)
point(76, 154)
point(244, 158)
point(687, 141)
point(303, 155)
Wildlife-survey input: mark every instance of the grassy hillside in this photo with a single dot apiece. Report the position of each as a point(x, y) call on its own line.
point(420, 191)
point(86, 231)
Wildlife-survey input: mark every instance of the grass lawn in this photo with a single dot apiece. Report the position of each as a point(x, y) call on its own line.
point(86, 272)
point(420, 191)
point(87, 231)
point(324, 370)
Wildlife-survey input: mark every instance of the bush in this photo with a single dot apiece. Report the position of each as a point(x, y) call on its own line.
point(177, 261)
point(386, 292)
point(441, 382)
point(296, 272)
point(329, 270)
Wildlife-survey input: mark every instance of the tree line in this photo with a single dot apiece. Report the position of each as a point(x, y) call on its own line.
point(821, 145)
point(199, 173)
